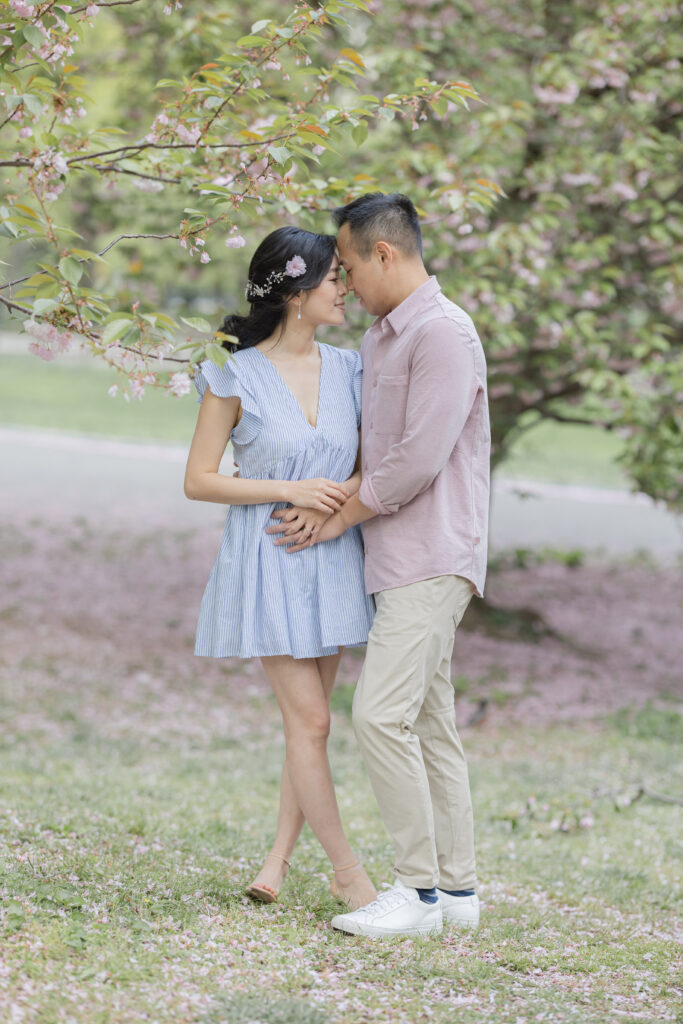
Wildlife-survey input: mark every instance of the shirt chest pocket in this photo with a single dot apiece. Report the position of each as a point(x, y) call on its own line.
point(389, 414)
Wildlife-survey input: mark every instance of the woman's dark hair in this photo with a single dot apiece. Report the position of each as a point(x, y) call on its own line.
point(269, 287)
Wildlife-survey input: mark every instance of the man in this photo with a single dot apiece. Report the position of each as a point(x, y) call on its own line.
point(423, 503)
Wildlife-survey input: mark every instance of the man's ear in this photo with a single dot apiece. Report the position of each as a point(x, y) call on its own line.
point(384, 252)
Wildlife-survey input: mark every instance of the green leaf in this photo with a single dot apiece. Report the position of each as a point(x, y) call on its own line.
point(115, 330)
point(217, 354)
point(258, 26)
point(360, 133)
point(253, 41)
point(34, 104)
point(34, 36)
point(42, 306)
point(71, 270)
point(280, 154)
point(198, 323)
point(87, 254)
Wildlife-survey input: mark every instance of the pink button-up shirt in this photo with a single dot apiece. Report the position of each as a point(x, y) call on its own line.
point(425, 444)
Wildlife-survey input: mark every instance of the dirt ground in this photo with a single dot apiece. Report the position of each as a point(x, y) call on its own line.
point(82, 600)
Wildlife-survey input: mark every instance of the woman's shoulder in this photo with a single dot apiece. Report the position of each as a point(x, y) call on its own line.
point(232, 378)
point(346, 358)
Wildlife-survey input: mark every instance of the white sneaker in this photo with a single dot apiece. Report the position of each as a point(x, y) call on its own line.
point(397, 911)
point(461, 911)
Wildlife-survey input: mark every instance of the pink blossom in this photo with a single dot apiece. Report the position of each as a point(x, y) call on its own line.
point(235, 242)
point(295, 267)
point(189, 135)
point(53, 192)
point(137, 389)
point(582, 178)
point(551, 95)
point(42, 351)
point(113, 391)
point(50, 340)
point(205, 258)
point(92, 10)
point(273, 65)
point(25, 132)
point(180, 384)
point(147, 185)
point(624, 191)
point(22, 9)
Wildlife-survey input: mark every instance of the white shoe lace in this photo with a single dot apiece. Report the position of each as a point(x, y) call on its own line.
point(388, 900)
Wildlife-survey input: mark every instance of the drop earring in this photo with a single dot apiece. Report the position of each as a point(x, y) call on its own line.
point(298, 315)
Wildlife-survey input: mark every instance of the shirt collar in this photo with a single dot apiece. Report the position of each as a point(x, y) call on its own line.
point(400, 317)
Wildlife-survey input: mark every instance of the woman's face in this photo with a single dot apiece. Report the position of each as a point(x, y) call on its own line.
point(324, 304)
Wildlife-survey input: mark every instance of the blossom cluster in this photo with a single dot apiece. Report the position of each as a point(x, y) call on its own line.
point(49, 166)
point(50, 340)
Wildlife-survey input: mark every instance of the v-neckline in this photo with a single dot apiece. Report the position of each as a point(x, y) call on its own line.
point(291, 393)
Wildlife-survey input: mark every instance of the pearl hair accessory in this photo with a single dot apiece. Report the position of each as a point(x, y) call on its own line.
point(293, 268)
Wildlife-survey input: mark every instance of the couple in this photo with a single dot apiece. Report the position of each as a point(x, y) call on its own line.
point(294, 410)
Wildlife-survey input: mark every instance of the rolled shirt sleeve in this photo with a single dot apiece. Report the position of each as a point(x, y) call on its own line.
point(442, 389)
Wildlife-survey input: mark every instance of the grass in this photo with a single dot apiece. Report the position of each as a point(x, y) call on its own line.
point(128, 832)
point(567, 454)
point(72, 396)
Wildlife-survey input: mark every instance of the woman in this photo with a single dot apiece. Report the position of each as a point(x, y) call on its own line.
point(291, 408)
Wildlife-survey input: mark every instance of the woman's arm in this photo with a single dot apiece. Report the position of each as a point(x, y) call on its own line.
point(203, 482)
point(297, 524)
point(354, 481)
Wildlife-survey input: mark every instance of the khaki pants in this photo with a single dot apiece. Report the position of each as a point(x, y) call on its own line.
point(404, 717)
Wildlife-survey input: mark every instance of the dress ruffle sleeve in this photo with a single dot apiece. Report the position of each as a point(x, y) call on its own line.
point(226, 383)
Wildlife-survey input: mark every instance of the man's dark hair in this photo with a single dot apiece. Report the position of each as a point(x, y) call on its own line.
point(376, 217)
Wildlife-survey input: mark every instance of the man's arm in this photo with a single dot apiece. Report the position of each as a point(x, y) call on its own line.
point(441, 392)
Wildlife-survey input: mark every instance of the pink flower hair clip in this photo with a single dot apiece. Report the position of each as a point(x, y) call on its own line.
point(294, 267)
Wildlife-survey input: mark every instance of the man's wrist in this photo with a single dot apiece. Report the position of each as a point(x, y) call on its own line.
point(341, 519)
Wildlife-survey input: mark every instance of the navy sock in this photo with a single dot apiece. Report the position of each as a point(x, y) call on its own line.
point(428, 895)
point(458, 892)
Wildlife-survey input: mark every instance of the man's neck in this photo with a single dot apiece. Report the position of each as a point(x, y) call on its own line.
point(409, 280)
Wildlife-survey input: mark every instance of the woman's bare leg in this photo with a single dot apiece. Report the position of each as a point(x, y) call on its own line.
point(304, 703)
point(291, 820)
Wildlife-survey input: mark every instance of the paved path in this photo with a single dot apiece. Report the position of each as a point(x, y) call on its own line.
point(47, 474)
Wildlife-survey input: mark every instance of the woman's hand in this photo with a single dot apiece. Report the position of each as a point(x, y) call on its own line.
point(332, 527)
point(297, 525)
point(321, 494)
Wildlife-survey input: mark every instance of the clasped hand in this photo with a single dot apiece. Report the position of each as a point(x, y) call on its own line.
point(314, 503)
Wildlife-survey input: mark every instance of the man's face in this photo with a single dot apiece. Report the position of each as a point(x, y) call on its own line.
point(366, 278)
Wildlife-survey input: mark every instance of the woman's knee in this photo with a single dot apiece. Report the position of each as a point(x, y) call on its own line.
point(312, 726)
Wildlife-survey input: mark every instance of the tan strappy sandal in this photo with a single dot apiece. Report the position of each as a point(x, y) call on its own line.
point(357, 893)
point(264, 893)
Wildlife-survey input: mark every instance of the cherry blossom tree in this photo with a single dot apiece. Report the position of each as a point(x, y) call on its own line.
point(235, 138)
point(129, 203)
point(575, 278)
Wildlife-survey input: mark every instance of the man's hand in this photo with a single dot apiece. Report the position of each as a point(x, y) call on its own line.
point(296, 524)
point(332, 528)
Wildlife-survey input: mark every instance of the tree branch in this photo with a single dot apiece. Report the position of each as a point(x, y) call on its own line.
point(13, 305)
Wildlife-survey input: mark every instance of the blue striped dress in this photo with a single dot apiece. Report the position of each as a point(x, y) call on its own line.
point(260, 600)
